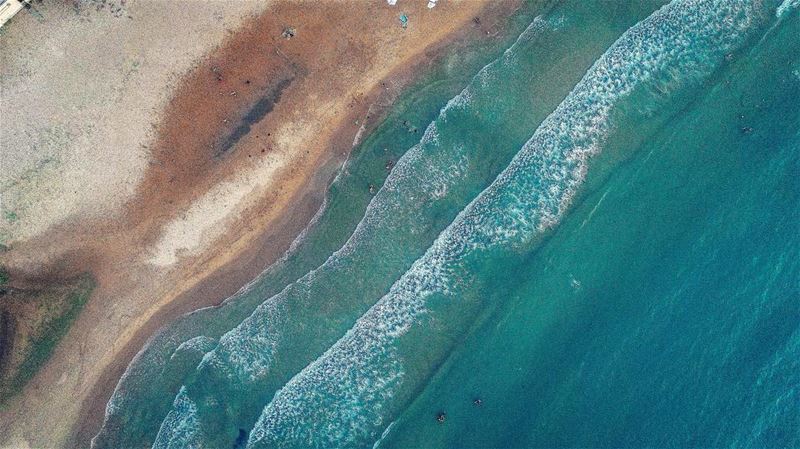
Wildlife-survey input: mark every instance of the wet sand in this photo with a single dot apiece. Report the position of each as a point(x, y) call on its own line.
point(238, 165)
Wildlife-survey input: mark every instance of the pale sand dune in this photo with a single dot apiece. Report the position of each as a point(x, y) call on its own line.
point(86, 161)
point(81, 92)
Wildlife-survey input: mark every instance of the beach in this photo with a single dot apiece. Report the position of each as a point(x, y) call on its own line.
point(400, 224)
point(228, 161)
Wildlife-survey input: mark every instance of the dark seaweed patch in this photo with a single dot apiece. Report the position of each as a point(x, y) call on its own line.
point(241, 440)
point(262, 107)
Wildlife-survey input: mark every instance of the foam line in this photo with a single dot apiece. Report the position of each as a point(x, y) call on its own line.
point(423, 175)
point(344, 398)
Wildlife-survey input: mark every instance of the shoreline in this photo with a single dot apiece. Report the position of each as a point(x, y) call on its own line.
point(220, 284)
point(220, 274)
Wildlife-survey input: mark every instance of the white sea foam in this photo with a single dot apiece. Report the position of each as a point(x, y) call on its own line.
point(424, 173)
point(383, 435)
point(786, 7)
point(182, 425)
point(343, 397)
point(200, 345)
point(119, 399)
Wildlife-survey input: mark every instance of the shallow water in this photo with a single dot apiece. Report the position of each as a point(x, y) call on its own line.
point(593, 243)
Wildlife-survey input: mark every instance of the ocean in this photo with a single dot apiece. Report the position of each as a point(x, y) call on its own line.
point(584, 234)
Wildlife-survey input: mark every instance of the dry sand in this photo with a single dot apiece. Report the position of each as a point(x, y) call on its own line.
point(173, 150)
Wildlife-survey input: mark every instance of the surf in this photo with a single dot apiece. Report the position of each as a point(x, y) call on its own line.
point(345, 396)
point(441, 167)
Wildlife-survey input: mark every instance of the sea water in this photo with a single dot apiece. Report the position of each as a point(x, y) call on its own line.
point(593, 243)
point(665, 310)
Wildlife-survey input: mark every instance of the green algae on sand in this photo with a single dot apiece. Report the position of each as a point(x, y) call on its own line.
point(32, 322)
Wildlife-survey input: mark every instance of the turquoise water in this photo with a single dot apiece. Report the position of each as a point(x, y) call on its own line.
point(589, 237)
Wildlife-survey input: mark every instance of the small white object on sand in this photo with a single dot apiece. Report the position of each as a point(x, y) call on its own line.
point(9, 8)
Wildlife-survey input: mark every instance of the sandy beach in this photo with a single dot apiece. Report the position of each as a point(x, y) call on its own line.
point(180, 155)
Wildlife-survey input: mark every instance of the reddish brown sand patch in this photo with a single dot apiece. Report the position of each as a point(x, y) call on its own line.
point(328, 75)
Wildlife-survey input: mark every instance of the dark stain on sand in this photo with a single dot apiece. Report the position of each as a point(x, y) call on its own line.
point(256, 113)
